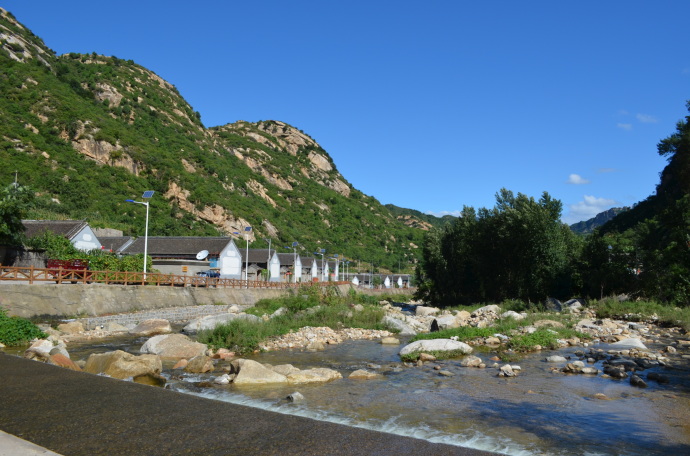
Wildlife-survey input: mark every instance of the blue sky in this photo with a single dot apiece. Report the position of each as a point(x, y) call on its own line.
point(426, 105)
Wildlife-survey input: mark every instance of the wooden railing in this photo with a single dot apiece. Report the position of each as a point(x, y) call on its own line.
point(59, 276)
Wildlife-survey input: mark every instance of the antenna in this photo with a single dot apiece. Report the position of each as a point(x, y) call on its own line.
point(202, 255)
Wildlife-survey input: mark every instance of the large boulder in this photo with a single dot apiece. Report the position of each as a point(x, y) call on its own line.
point(211, 321)
point(120, 364)
point(424, 311)
point(58, 359)
point(151, 327)
point(403, 328)
point(72, 327)
point(436, 345)
point(173, 346)
point(492, 309)
point(250, 372)
point(199, 365)
point(447, 322)
point(631, 342)
point(39, 350)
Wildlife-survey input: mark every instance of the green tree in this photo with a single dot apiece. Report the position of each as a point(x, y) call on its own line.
point(15, 201)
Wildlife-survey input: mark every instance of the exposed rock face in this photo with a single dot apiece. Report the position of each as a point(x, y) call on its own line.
point(173, 346)
point(107, 154)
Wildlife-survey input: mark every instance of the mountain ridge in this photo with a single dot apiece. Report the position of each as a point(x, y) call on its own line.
point(88, 132)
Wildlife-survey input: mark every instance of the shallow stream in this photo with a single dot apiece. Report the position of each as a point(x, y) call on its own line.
point(538, 412)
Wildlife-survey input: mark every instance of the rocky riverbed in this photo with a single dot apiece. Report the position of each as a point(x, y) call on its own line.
point(639, 370)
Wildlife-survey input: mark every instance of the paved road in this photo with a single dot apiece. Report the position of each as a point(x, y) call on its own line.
point(74, 414)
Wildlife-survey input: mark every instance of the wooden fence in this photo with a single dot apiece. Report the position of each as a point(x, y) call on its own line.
point(59, 276)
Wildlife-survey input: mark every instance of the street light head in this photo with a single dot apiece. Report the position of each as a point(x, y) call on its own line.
point(248, 228)
point(130, 201)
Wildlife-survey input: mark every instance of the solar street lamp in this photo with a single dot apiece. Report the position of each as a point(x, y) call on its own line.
point(323, 270)
point(247, 230)
point(147, 195)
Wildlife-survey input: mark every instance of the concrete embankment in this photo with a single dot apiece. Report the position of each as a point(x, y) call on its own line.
point(82, 300)
point(75, 413)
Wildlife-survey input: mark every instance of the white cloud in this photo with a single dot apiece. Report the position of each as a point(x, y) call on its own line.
point(576, 179)
point(644, 118)
point(624, 126)
point(588, 208)
point(442, 213)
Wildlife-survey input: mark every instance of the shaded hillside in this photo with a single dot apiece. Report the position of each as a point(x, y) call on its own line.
point(417, 219)
point(588, 226)
point(87, 132)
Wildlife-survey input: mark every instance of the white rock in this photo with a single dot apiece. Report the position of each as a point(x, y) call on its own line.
point(425, 311)
point(512, 314)
point(211, 321)
point(630, 343)
point(436, 345)
point(555, 359)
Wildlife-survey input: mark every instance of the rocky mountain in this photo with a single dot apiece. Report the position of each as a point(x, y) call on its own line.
point(87, 132)
point(588, 226)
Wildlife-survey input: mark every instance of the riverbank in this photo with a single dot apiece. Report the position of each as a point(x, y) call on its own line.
point(75, 414)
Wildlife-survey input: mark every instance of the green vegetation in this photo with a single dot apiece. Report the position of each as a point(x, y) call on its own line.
point(309, 306)
point(16, 331)
point(661, 314)
point(60, 248)
point(15, 200)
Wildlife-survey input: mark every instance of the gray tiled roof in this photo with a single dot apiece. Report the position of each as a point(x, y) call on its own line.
point(66, 228)
point(114, 243)
point(287, 259)
point(178, 245)
point(256, 255)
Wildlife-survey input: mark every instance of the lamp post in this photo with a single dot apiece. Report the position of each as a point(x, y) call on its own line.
point(247, 230)
point(147, 195)
point(294, 262)
point(268, 263)
point(322, 253)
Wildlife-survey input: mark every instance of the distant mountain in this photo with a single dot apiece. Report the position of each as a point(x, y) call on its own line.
point(417, 219)
point(600, 219)
point(87, 132)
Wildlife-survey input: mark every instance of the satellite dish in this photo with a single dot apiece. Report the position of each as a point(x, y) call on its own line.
point(202, 255)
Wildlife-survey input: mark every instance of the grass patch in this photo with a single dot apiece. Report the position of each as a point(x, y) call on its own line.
point(664, 315)
point(16, 331)
point(414, 356)
point(307, 307)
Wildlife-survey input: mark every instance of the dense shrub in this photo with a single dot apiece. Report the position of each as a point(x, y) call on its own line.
point(17, 331)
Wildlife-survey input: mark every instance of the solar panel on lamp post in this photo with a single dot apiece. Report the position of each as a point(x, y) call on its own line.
point(148, 194)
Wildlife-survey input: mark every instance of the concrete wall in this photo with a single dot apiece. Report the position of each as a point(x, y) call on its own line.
point(82, 300)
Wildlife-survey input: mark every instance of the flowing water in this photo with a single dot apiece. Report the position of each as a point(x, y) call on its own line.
point(538, 412)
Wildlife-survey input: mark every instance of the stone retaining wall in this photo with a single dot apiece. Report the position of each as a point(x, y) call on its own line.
point(90, 300)
point(173, 315)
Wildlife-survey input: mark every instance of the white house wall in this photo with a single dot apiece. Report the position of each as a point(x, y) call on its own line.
point(86, 240)
point(230, 262)
point(274, 268)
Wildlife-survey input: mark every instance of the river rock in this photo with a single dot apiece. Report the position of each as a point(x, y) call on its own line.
point(636, 381)
point(173, 346)
point(316, 375)
point(431, 345)
point(548, 324)
point(152, 327)
point(390, 341)
point(403, 328)
point(115, 327)
point(512, 314)
point(150, 379)
point(361, 374)
point(39, 350)
point(553, 305)
point(209, 322)
point(615, 371)
point(471, 361)
point(285, 369)
point(120, 364)
point(447, 322)
point(58, 359)
point(631, 342)
point(295, 397)
point(506, 371)
point(72, 327)
point(555, 359)
point(199, 365)
point(250, 372)
point(492, 309)
point(657, 377)
point(424, 311)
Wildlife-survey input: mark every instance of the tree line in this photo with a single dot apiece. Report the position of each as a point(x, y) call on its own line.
point(520, 249)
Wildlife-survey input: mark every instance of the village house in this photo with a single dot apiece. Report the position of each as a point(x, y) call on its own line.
point(78, 232)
